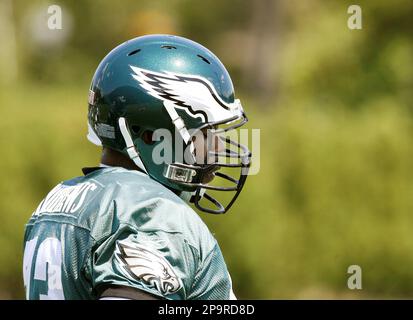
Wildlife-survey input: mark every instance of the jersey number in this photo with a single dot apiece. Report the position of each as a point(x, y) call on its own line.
point(48, 267)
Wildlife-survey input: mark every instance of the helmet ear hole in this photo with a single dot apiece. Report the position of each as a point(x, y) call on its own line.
point(136, 129)
point(147, 137)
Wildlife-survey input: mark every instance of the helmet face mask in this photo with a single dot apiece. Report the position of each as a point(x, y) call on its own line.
point(134, 92)
point(209, 175)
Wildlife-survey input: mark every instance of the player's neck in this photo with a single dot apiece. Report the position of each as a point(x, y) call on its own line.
point(116, 159)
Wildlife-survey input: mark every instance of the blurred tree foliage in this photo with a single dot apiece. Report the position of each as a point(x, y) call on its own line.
point(334, 107)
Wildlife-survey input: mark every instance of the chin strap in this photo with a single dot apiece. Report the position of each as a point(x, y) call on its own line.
point(130, 147)
point(189, 196)
point(180, 126)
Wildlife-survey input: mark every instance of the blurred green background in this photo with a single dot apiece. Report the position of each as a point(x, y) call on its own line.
point(334, 107)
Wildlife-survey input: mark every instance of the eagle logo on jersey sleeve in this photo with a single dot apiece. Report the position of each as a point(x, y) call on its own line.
point(146, 265)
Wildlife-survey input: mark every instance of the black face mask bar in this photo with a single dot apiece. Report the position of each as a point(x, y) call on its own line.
point(193, 175)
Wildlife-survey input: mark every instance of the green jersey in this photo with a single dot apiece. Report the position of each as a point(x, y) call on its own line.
point(115, 226)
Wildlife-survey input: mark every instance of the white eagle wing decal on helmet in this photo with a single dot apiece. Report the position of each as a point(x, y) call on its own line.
point(143, 264)
point(193, 94)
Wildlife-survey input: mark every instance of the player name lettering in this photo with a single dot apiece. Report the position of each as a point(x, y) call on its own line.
point(64, 198)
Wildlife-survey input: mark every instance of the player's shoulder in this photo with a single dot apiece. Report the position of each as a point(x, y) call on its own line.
point(132, 187)
point(123, 185)
point(143, 204)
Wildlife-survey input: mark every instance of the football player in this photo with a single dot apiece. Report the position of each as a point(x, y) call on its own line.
point(162, 107)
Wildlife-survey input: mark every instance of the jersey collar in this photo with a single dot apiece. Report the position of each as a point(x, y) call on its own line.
point(88, 170)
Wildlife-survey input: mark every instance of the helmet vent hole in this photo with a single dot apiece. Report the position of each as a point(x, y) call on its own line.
point(168, 47)
point(203, 58)
point(134, 52)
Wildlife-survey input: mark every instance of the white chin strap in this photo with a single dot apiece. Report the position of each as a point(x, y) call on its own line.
point(179, 125)
point(130, 147)
point(188, 195)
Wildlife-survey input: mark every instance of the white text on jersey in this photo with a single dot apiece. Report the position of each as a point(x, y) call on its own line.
point(64, 198)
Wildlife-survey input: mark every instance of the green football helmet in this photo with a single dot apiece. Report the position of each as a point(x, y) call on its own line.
point(163, 82)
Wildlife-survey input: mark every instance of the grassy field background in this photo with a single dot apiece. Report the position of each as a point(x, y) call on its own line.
point(335, 189)
point(334, 107)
